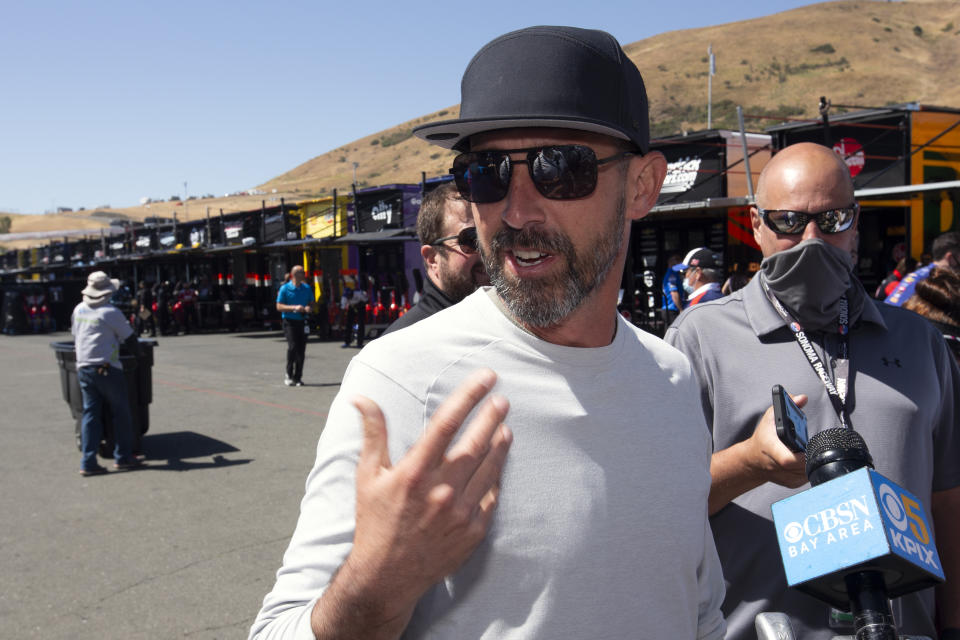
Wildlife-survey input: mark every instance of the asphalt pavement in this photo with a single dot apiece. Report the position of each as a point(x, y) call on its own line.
point(188, 546)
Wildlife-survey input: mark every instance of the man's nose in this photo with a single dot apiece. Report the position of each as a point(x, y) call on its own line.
point(522, 204)
point(812, 231)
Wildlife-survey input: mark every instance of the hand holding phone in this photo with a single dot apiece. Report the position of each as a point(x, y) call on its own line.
point(790, 420)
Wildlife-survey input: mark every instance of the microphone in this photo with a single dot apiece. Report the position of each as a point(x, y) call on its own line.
point(773, 626)
point(835, 452)
point(855, 538)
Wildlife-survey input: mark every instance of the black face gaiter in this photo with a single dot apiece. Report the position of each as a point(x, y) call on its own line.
point(810, 278)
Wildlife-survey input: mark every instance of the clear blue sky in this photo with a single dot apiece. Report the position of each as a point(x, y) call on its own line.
point(107, 102)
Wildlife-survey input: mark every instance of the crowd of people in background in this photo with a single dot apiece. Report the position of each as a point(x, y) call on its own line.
point(697, 277)
point(164, 309)
point(927, 286)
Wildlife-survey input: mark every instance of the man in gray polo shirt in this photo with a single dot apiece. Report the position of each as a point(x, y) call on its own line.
point(99, 328)
point(900, 390)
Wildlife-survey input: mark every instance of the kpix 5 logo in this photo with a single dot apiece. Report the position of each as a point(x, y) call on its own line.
point(904, 512)
point(908, 528)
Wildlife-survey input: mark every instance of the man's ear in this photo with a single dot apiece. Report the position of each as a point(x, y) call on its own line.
point(645, 176)
point(430, 255)
point(756, 223)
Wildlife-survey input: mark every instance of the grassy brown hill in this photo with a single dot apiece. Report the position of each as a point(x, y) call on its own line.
point(855, 52)
point(391, 156)
point(94, 219)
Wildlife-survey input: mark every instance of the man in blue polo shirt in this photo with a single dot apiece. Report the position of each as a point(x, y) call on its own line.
point(673, 295)
point(294, 299)
point(946, 255)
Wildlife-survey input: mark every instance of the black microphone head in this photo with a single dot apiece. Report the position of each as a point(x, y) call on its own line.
point(832, 453)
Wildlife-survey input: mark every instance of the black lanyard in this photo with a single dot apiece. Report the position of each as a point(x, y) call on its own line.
point(837, 392)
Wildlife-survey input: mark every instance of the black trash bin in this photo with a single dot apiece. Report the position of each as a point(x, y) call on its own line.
point(139, 375)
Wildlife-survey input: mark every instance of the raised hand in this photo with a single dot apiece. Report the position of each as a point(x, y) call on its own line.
point(419, 520)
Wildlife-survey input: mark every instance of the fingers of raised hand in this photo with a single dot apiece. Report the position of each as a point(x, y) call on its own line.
point(476, 445)
point(374, 453)
point(429, 451)
point(461, 521)
point(483, 514)
point(489, 502)
point(486, 476)
point(462, 493)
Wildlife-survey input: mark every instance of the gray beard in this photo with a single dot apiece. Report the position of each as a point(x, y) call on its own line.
point(545, 302)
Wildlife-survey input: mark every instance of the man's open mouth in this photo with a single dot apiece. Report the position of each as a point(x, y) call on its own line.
point(529, 258)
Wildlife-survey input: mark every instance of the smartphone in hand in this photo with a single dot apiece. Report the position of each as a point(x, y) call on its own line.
point(790, 420)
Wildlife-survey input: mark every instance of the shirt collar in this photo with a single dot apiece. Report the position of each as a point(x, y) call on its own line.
point(705, 287)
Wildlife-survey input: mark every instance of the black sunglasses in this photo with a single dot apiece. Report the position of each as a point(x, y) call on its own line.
point(792, 223)
point(559, 172)
point(466, 240)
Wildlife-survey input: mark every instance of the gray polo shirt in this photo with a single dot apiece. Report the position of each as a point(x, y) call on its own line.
point(904, 399)
point(98, 332)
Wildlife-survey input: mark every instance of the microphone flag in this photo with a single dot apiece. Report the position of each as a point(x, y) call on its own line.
point(859, 520)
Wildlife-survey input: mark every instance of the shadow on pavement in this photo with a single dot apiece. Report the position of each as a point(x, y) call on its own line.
point(179, 448)
point(278, 335)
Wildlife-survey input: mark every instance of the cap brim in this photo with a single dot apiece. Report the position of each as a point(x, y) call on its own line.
point(98, 293)
point(451, 134)
point(93, 292)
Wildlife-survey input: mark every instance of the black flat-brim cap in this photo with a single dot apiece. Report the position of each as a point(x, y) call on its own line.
point(561, 77)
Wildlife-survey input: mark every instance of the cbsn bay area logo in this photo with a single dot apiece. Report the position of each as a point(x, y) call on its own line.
point(845, 520)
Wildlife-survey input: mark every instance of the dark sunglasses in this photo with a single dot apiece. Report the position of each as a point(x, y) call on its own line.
point(466, 240)
point(792, 223)
point(559, 172)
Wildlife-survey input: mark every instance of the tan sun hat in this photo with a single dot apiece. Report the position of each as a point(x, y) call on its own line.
point(99, 285)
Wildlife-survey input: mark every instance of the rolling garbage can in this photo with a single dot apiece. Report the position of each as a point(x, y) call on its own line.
point(139, 374)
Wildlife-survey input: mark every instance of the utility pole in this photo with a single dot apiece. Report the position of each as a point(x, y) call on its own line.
point(710, 73)
point(746, 152)
point(355, 165)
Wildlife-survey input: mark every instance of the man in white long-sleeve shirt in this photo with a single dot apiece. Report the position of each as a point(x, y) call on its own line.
point(426, 516)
